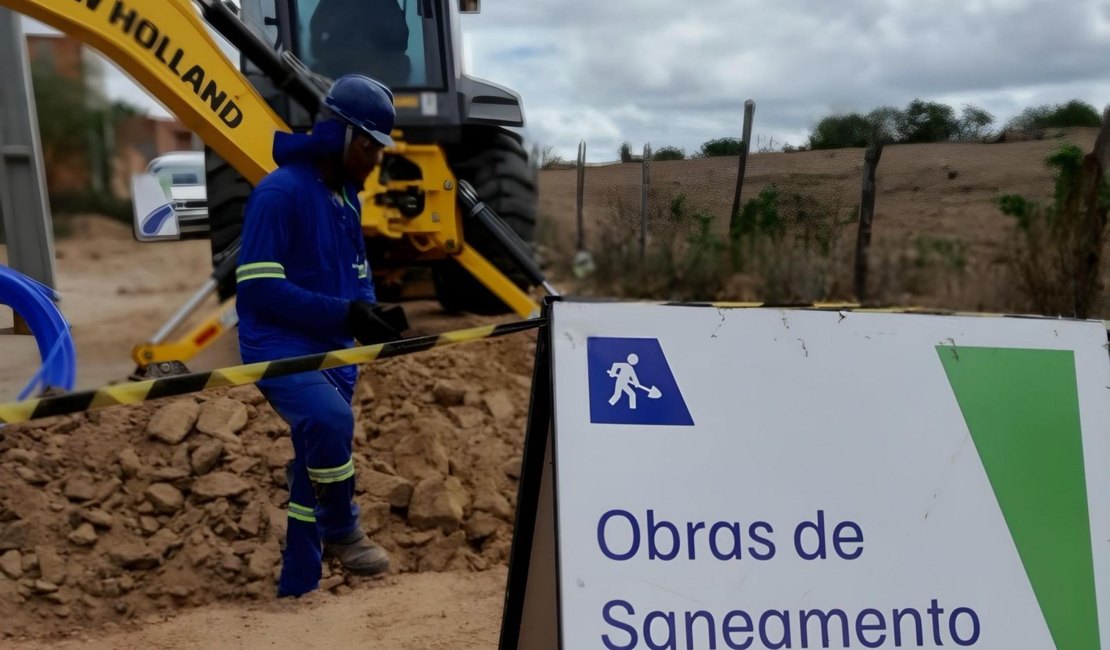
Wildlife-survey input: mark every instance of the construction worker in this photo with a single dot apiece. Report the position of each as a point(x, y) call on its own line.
point(304, 287)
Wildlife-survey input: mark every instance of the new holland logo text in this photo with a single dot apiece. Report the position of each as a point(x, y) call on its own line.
point(151, 38)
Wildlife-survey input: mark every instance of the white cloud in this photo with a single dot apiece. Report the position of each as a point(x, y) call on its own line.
point(677, 73)
point(687, 68)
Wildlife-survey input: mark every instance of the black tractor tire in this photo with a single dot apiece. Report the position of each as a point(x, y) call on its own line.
point(227, 193)
point(497, 165)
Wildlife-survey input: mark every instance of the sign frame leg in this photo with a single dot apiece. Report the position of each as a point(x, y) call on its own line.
point(530, 619)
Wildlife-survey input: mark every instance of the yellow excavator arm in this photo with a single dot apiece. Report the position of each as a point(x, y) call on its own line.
point(166, 47)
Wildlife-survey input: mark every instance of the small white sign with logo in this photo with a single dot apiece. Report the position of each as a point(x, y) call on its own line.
point(743, 478)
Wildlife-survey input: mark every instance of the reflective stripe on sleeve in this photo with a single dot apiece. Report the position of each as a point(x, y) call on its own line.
point(259, 270)
point(302, 513)
point(332, 474)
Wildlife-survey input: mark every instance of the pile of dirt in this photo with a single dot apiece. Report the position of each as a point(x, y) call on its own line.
point(124, 512)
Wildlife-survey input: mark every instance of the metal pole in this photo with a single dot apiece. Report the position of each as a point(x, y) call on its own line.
point(581, 192)
point(23, 204)
point(645, 185)
point(749, 114)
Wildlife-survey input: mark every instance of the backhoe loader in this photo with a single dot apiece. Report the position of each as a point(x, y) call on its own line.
point(456, 154)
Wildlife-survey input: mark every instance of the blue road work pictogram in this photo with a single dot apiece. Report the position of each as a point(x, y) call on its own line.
point(631, 383)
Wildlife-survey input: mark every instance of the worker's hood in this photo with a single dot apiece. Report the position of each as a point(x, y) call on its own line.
point(325, 140)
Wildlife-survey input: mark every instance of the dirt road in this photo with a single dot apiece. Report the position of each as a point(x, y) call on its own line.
point(413, 612)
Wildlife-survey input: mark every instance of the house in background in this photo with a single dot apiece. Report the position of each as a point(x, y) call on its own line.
point(115, 143)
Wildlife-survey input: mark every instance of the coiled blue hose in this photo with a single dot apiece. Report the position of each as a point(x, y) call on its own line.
point(34, 302)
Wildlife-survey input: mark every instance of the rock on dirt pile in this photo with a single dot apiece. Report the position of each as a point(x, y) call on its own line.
point(122, 512)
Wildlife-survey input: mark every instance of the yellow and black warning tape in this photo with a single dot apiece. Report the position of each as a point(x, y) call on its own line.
point(134, 393)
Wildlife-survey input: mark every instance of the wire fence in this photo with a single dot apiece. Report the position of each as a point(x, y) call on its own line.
point(905, 224)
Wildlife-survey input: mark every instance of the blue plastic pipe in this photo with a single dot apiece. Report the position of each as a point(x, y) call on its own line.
point(35, 303)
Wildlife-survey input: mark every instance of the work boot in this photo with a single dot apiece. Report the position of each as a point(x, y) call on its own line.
point(358, 554)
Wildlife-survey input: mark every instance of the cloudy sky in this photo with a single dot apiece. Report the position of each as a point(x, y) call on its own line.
point(677, 72)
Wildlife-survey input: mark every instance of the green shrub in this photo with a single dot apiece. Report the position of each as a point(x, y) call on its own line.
point(758, 217)
point(790, 241)
point(1057, 244)
point(923, 121)
point(841, 131)
point(721, 147)
point(669, 153)
point(934, 252)
point(1074, 113)
point(920, 121)
point(783, 246)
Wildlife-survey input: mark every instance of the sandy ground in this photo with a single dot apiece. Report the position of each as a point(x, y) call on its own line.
point(115, 292)
point(415, 612)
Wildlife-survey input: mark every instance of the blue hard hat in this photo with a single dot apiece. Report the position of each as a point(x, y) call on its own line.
point(365, 104)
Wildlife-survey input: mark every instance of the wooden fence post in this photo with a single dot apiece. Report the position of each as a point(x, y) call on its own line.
point(581, 241)
point(645, 185)
point(866, 217)
point(749, 115)
point(1093, 230)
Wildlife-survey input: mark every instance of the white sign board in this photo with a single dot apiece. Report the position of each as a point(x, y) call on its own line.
point(759, 478)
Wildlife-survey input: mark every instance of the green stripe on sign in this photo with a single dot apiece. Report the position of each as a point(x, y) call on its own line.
point(1022, 408)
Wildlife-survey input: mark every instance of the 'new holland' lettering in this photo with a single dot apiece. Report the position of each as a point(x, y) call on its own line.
point(150, 37)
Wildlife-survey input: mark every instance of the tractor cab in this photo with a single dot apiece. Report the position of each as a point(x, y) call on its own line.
point(413, 46)
point(388, 40)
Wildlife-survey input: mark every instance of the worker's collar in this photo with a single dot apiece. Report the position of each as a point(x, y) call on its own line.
point(327, 139)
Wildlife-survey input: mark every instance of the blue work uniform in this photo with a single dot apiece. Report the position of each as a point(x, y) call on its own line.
point(303, 260)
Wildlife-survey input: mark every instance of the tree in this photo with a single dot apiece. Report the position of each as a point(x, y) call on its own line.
point(669, 153)
point(973, 123)
point(1030, 119)
point(74, 131)
point(841, 131)
point(884, 123)
point(923, 121)
point(1061, 116)
point(64, 118)
point(550, 158)
point(721, 147)
point(625, 152)
point(1073, 113)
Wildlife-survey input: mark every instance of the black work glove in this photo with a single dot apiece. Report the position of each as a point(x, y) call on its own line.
point(372, 324)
